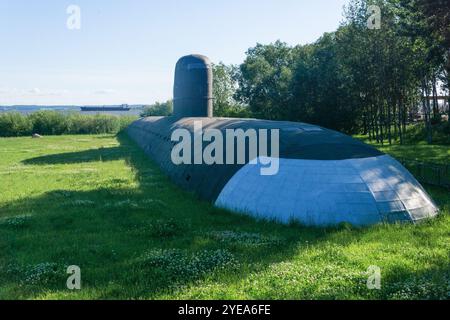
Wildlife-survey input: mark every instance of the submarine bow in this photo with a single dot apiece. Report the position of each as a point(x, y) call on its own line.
point(324, 178)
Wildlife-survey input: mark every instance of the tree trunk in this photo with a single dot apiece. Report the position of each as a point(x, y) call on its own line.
point(436, 114)
point(427, 111)
point(400, 113)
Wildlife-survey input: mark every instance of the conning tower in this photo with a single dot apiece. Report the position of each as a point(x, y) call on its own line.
point(193, 87)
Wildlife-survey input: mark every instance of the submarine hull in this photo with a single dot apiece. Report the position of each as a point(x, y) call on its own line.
point(325, 178)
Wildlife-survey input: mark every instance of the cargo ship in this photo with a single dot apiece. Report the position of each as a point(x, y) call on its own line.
point(123, 107)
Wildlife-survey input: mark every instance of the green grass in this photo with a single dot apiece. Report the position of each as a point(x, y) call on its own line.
point(99, 203)
point(421, 151)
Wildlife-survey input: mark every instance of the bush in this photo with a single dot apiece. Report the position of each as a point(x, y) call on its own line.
point(417, 133)
point(55, 123)
point(98, 124)
point(49, 123)
point(236, 111)
point(125, 121)
point(442, 133)
point(80, 124)
point(14, 125)
point(158, 109)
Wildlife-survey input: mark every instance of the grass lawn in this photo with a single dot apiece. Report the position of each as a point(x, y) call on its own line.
point(418, 151)
point(97, 202)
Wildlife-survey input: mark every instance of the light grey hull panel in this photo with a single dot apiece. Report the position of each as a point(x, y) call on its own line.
point(320, 193)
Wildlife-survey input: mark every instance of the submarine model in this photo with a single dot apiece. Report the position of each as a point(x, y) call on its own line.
point(324, 177)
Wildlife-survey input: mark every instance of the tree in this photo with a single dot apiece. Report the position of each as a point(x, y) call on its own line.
point(265, 79)
point(357, 79)
point(224, 91)
point(437, 16)
point(159, 109)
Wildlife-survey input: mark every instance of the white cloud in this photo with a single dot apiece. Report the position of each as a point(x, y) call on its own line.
point(104, 91)
point(8, 91)
point(34, 92)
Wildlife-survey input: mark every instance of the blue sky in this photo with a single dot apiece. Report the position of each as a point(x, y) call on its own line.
point(126, 50)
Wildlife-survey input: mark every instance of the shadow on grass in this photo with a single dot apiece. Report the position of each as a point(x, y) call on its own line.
point(136, 242)
point(434, 153)
point(423, 152)
point(102, 154)
point(431, 283)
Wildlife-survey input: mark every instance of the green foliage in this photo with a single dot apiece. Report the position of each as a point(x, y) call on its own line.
point(437, 17)
point(99, 203)
point(417, 133)
point(265, 80)
point(125, 121)
point(55, 123)
point(159, 109)
point(49, 123)
point(84, 124)
point(416, 136)
point(355, 79)
point(421, 151)
point(224, 91)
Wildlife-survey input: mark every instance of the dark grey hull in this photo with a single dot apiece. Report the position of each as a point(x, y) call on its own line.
point(325, 177)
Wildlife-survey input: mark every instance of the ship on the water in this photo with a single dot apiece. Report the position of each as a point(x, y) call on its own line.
point(123, 107)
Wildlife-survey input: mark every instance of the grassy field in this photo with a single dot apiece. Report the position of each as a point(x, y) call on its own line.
point(420, 151)
point(99, 203)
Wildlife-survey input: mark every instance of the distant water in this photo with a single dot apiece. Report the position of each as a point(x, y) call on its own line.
point(135, 111)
